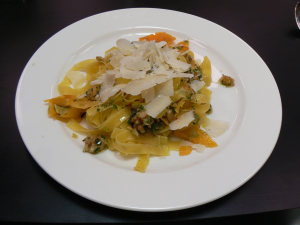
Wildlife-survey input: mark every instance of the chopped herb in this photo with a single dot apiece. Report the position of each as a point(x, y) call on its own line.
point(186, 41)
point(190, 96)
point(98, 141)
point(111, 102)
point(115, 106)
point(173, 109)
point(102, 136)
point(197, 118)
point(142, 108)
point(133, 113)
point(149, 120)
point(156, 126)
point(98, 109)
point(97, 150)
point(210, 110)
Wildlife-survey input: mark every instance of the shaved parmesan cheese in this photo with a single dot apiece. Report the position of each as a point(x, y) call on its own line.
point(112, 51)
point(157, 105)
point(135, 63)
point(118, 75)
point(160, 44)
point(196, 85)
point(178, 65)
point(112, 71)
point(115, 60)
point(148, 94)
point(110, 91)
point(183, 53)
point(138, 44)
point(131, 74)
point(99, 80)
point(135, 87)
point(198, 147)
point(108, 81)
point(142, 51)
point(166, 88)
point(174, 75)
point(182, 121)
point(77, 78)
point(189, 75)
point(160, 56)
point(151, 48)
point(125, 46)
point(171, 59)
point(215, 128)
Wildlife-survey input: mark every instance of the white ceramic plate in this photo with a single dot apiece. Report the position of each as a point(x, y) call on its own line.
point(253, 108)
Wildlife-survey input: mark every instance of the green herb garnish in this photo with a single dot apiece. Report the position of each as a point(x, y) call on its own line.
point(97, 150)
point(98, 141)
point(197, 118)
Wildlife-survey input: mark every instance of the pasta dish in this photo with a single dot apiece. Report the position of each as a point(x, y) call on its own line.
point(146, 97)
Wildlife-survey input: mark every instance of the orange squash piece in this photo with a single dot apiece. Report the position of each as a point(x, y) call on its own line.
point(61, 100)
point(158, 37)
point(195, 135)
point(185, 46)
point(185, 150)
point(204, 139)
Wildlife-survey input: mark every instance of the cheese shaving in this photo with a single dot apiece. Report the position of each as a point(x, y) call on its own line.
point(135, 63)
point(99, 80)
point(110, 91)
point(135, 87)
point(166, 88)
point(148, 94)
point(215, 128)
point(196, 85)
point(131, 74)
point(157, 105)
point(182, 121)
point(125, 46)
point(198, 147)
point(115, 60)
point(108, 81)
point(171, 59)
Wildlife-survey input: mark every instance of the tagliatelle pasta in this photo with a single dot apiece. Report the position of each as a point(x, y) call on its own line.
point(137, 96)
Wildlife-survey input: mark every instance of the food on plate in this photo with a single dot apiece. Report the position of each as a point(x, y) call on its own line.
point(146, 97)
point(226, 81)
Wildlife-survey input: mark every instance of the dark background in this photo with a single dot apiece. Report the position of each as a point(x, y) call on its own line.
point(28, 194)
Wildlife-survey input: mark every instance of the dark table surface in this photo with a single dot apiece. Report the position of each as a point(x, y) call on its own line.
point(28, 194)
